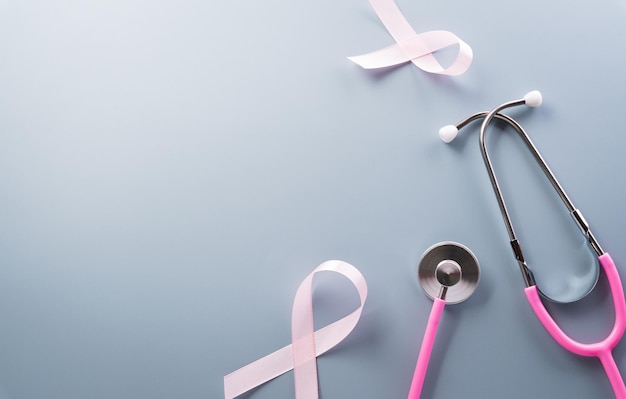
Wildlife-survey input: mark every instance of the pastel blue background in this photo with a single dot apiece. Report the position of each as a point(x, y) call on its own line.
point(170, 171)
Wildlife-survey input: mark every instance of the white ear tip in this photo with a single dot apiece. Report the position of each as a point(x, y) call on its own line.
point(448, 133)
point(533, 99)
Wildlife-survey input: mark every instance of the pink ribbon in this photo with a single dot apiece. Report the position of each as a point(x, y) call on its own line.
point(307, 344)
point(412, 47)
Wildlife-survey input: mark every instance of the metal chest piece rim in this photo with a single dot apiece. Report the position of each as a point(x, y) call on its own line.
point(448, 271)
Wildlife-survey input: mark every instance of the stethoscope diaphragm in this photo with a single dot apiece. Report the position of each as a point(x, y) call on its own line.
point(449, 271)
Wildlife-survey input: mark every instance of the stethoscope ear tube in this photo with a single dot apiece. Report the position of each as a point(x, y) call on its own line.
point(531, 99)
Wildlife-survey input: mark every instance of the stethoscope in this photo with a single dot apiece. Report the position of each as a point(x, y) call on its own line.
point(603, 349)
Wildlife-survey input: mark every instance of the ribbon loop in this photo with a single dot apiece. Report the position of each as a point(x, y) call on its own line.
point(413, 47)
point(307, 344)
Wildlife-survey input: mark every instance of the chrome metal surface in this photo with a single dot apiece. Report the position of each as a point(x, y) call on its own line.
point(575, 213)
point(544, 167)
point(449, 271)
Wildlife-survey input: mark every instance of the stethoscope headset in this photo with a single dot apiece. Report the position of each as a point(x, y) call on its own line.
point(602, 349)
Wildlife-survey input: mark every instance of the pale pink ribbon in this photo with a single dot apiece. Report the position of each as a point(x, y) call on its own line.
point(412, 47)
point(307, 344)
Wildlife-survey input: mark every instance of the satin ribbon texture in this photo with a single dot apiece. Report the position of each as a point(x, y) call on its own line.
point(306, 345)
point(413, 47)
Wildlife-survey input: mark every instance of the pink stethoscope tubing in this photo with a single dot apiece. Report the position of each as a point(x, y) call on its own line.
point(426, 349)
point(601, 350)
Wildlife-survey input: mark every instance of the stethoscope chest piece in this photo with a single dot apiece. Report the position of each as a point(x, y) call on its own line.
point(449, 271)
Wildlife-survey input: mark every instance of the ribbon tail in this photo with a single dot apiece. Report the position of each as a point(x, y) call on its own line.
point(303, 342)
point(393, 19)
point(386, 57)
point(258, 372)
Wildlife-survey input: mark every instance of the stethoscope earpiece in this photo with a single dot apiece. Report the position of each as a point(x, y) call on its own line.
point(532, 99)
point(448, 133)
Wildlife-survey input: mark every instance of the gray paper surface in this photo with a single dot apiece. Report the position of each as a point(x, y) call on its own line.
point(170, 171)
